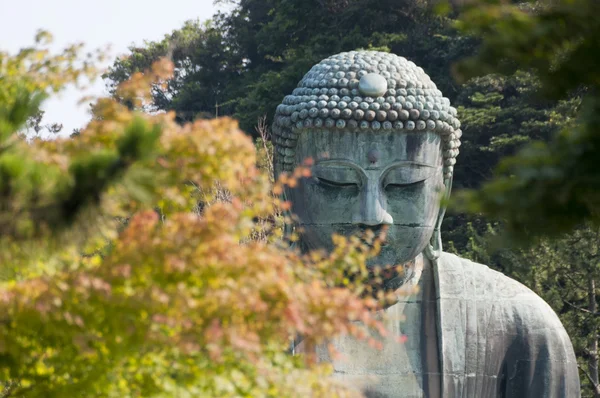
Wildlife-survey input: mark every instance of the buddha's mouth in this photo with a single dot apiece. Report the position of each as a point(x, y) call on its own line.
point(378, 230)
point(385, 232)
point(391, 238)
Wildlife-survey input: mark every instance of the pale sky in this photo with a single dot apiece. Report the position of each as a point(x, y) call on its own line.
point(119, 23)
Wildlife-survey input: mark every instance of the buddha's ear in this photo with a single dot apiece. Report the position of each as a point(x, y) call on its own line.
point(434, 248)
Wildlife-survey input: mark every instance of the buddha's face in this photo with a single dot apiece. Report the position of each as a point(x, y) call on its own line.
point(366, 180)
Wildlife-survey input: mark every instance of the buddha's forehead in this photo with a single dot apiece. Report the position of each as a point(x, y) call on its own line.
point(365, 147)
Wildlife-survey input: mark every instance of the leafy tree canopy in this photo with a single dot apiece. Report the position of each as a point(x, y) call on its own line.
point(549, 187)
point(112, 286)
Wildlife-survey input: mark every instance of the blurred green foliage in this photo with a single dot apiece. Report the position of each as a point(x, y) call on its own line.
point(112, 286)
point(551, 186)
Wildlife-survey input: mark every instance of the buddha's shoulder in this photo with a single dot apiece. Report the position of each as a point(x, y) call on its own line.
point(464, 279)
point(468, 278)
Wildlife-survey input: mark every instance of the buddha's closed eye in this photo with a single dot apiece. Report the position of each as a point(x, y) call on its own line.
point(338, 184)
point(337, 177)
point(407, 175)
point(403, 185)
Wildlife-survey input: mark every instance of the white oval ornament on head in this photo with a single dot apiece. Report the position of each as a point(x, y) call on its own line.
point(372, 85)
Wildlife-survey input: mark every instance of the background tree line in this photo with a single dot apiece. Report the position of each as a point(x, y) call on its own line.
point(242, 62)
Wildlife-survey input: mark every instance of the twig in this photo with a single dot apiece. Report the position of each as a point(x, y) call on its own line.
point(579, 308)
point(595, 386)
point(9, 388)
point(263, 131)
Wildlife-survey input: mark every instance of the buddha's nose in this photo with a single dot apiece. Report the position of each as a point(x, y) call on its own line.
point(372, 210)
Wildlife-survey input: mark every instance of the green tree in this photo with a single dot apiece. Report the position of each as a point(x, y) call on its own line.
point(207, 66)
point(110, 284)
point(264, 47)
point(549, 187)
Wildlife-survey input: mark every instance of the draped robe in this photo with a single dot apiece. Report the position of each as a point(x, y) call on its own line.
point(495, 339)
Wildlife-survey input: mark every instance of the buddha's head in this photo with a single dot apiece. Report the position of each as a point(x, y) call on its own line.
point(383, 141)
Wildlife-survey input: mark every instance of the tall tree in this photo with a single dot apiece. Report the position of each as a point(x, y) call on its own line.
point(548, 188)
point(264, 48)
point(206, 66)
point(98, 293)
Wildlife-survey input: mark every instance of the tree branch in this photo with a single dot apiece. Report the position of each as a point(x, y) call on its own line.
point(579, 308)
point(595, 386)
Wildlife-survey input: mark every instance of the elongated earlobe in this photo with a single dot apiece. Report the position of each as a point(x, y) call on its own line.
point(433, 251)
